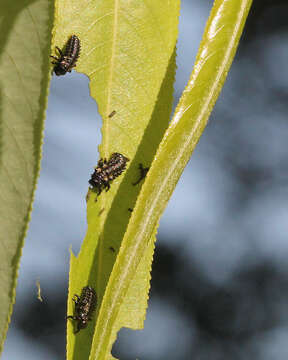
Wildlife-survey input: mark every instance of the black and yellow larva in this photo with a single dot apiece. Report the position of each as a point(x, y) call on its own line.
point(67, 60)
point(107, 171)
point(85, 305)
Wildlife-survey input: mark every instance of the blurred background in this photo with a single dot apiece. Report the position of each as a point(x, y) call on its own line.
point(220, 274)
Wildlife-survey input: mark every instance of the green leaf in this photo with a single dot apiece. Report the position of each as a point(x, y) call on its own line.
point(133, 305)
point(213, 61)
point(128, 51)
point(24, 67)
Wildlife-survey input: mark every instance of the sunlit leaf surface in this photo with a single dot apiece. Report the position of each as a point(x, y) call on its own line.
point(214, 58)
point(128, 52)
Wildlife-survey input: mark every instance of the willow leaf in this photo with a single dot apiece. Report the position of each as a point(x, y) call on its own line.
point(213, 61)
point(25, 28)
point(128, 52)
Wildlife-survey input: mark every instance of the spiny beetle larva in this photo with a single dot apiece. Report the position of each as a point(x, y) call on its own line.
point(85, 305)
point(107, 171)
point(67, 60)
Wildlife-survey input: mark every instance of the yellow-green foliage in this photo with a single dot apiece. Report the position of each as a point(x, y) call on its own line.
point(25, 28)
point(128, 51)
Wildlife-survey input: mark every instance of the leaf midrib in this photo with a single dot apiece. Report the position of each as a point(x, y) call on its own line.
point(110, 79)
point(105, 130)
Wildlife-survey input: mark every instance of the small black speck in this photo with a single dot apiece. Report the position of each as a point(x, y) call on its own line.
point(101, 211)
point(112, 114)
